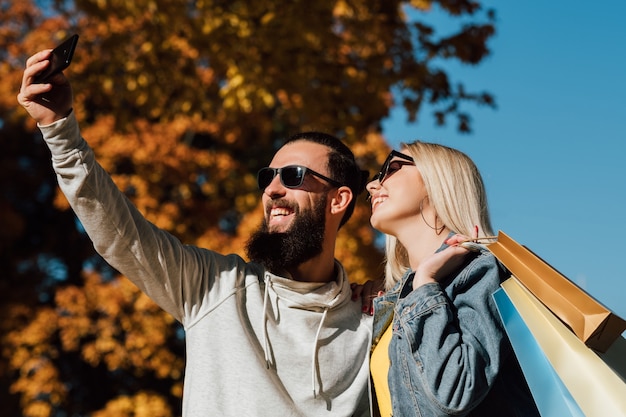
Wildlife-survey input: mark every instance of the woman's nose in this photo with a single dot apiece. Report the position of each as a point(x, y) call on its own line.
point(372, 186)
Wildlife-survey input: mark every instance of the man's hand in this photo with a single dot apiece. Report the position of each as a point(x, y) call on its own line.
point(46, 103)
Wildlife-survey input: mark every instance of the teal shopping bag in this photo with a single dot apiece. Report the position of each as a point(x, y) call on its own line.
point(552, 397)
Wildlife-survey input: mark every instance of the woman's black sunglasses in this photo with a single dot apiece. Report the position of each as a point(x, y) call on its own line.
point(389, 166)
point(291, 176)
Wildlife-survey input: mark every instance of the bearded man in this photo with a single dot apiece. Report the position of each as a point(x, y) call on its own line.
point(274, 336)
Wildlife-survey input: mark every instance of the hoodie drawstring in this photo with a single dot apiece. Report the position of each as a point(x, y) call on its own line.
point(314, 354)
point(266, 345)
point(266, 348)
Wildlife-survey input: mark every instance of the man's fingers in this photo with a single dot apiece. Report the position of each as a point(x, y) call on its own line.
point(32, 70)
point(39, 56)
point(30, 92)
point(34, 65)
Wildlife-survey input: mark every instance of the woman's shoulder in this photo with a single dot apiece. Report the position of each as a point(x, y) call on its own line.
point(483, 266)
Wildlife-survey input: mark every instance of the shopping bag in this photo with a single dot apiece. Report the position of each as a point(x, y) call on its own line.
point(597, 386)
point(594, 324)
point(552, 397)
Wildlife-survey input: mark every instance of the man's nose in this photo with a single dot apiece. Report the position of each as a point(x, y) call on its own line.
point(275, 187)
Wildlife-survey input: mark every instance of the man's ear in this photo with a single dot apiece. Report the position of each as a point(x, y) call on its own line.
point(340, 201)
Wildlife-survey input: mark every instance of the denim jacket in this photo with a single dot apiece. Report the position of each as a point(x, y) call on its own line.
point(449, 353)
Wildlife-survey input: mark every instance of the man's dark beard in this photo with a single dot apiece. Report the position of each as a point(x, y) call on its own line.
point(281, 251)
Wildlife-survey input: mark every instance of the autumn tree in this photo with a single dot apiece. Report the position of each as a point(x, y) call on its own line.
point(183, 101)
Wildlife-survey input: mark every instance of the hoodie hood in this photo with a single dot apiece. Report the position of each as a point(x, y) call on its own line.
point(314, 296)
point(311, 296)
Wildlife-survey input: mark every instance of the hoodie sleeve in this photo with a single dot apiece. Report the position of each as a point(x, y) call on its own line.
point(159, 264)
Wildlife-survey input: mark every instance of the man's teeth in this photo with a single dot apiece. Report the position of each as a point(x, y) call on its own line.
point(280, 212)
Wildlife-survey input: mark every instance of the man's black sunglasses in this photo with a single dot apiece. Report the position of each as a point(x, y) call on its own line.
point(291, 176)
point(389, 166)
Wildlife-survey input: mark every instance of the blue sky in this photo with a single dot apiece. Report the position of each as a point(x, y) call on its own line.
point(553, 153)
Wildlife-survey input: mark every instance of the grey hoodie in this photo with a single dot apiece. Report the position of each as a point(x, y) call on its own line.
point(257, 344)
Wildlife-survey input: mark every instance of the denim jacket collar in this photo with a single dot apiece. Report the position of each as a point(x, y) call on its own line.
point(384, 305)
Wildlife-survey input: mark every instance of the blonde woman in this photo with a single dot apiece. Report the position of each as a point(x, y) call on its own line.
point(439, 346)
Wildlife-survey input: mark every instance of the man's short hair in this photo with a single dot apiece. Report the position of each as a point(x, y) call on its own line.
point(342, 166)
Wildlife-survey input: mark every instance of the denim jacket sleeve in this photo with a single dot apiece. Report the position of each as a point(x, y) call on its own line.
point(448, 342)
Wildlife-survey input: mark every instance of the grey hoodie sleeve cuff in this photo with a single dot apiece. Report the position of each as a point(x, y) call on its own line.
point(63, 135)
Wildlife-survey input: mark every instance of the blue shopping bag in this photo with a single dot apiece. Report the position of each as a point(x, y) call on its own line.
point(595, 380)
point(552, 397)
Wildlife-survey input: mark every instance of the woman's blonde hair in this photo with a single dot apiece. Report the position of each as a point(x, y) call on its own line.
point(456, 191)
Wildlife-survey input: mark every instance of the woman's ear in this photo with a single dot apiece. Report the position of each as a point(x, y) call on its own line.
point(340, 201)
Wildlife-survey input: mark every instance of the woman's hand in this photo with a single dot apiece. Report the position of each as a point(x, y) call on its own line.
point(366, 293)
point(441, 264)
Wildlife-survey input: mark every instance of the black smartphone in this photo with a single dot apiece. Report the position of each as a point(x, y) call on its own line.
point(59, 60)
